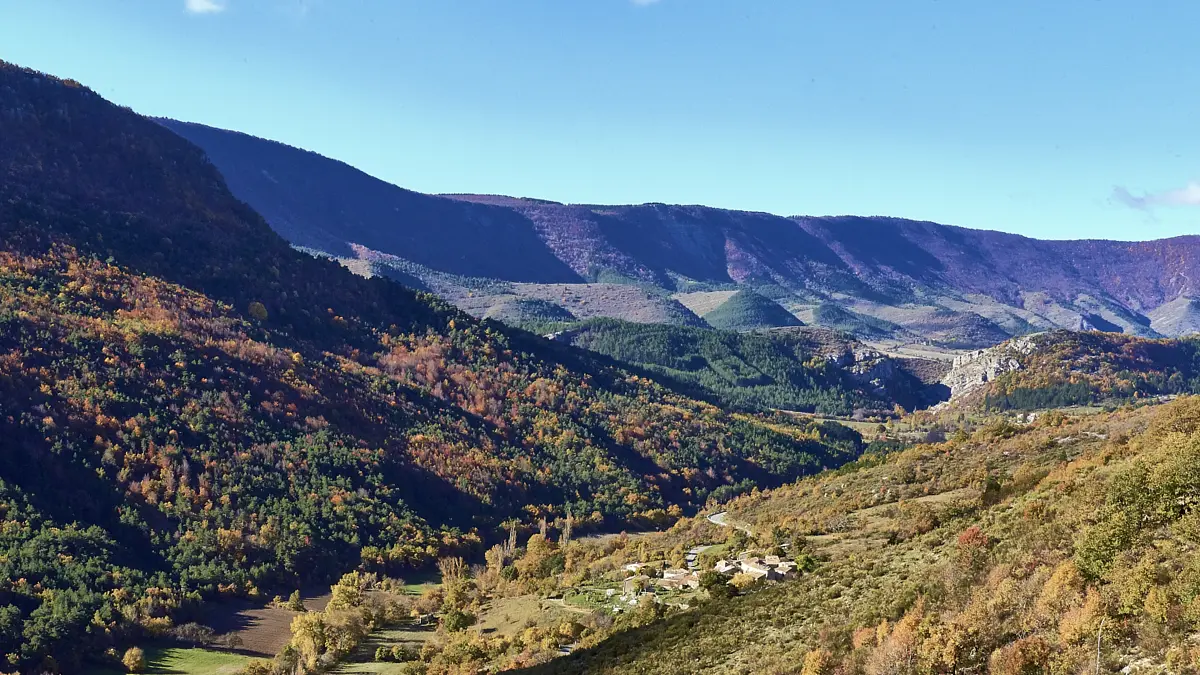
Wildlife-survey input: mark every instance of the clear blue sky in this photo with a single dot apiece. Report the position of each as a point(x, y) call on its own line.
point(1020, 115)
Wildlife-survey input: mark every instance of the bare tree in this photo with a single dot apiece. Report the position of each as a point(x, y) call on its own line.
point(511, 547)
point(453, 570)
point(566, 532)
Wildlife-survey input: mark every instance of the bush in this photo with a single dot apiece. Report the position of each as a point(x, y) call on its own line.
point(742, 581)
point(256, 667)
point(400, 654)
point(456, 620)
point(258, 311)
point(395, 654)
point(971, 548)
point(818, 662)
point(1027, 656)
point(295, 603)
point(193, 633)
point(134, 660)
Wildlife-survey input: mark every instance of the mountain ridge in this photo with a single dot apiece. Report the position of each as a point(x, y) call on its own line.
point(944, 284)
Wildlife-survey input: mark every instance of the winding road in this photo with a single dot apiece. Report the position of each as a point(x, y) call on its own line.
point(722, 519)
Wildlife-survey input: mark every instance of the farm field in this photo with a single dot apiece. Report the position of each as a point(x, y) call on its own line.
point(261, 630)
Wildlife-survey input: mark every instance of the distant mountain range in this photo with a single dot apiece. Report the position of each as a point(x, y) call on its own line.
point(881, 278)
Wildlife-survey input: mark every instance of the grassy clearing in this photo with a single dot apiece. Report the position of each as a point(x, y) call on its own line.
point(703, 302)
point(508, 616)
point(589, 597)
point(185, 661)
point(419, 587)
point(500, 616)
point(867, 429)
point(371, 668)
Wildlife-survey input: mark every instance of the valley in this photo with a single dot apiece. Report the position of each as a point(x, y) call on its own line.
point(198, 411)
point(263, 414)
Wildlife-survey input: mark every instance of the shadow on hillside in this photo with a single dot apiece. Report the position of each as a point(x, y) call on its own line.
point(299, 193)
point(69, 492)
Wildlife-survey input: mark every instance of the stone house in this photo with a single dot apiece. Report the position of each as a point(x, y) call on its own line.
point(635, 584)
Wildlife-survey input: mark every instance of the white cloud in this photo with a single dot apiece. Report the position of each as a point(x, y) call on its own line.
point(1188, 195)
point(204, 6)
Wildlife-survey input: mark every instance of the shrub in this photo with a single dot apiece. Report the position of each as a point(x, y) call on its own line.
point(742, 581)
point(1028, 656)
point(134, 660)
point(456, 620)
point(817, 662)
point(193, 633)
point(256, 667)
point(971, 548)
point(295, 603)
point(258, 311)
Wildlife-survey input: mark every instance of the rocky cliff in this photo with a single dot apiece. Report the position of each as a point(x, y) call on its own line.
point(977, 369)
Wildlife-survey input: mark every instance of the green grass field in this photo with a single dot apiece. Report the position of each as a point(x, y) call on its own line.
point(418, 584)
point(184, 661)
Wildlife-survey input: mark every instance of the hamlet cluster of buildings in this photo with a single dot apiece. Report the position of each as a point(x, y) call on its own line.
point(759, 568)
point(765, 568)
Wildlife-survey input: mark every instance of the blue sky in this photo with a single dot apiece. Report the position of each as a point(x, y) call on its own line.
point(1064, 119)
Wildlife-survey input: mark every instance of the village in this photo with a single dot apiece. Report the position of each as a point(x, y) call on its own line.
point(671, 585)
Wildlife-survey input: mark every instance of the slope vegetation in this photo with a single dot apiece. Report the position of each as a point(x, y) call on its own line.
point(790, 370)
point(1181, 316)
point(837, 317)
point(1062, 368)
point(1013, 549)
point(747, 310)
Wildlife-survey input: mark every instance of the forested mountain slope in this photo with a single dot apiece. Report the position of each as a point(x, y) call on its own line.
point(192, 408)
point(804, 369)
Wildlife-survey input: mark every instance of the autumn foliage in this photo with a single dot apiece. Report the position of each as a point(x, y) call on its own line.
point(191, 409)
